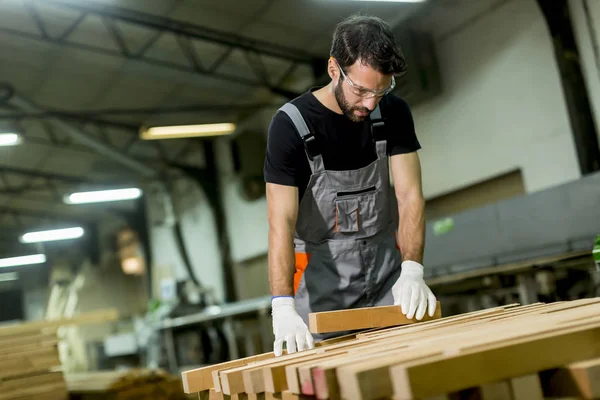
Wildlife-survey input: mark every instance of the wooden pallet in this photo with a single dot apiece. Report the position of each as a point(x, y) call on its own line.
point(513, 352)
point(30, 366)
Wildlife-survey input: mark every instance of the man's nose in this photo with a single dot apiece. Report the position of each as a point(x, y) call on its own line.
point(370, 104)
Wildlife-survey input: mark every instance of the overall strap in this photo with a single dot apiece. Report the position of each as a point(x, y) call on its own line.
point(377, 132)
point(310, 143)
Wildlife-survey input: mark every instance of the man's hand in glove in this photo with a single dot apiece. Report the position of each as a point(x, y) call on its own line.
point(411, 292)
point(289, 327)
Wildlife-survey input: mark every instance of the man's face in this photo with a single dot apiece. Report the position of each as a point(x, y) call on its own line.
point(355, 92)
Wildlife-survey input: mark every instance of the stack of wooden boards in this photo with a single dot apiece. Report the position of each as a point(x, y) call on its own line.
point(135, 384)
point(30, 367)
point(512, 352)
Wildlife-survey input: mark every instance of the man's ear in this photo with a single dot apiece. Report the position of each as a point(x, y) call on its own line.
point(332, 69)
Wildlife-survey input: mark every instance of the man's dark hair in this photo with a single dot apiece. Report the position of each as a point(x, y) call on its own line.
point(369, 39)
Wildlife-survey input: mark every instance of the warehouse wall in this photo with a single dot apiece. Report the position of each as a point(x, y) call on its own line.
point(502, 107)
point(200, 239)
point(587, 32)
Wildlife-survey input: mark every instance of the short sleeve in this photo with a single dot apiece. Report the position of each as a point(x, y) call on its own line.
point(402, 137)
point(284, 156)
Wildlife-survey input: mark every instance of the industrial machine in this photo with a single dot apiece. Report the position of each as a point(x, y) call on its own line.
point(536, 247)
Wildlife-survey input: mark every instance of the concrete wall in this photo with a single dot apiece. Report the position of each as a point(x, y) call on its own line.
point(587, 33)
point(502, 106)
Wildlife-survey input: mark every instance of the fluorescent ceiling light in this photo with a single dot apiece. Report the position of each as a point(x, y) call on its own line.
point(396, 1)
point(183, 131)
point(52, 235)
point(9, 139)
point(23, 260)
point(101, 196)
point(9, 276)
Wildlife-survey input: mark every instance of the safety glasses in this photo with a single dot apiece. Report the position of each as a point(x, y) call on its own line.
point(362, 91)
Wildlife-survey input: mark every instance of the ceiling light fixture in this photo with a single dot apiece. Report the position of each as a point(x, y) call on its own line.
point(396, 1)
point(22, 260)
point(9, 139)
point(52, 235)
point(9, 276)
point(101, 196)
point(184, 131)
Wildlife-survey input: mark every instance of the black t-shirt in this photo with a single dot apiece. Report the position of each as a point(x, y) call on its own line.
point(344, 144)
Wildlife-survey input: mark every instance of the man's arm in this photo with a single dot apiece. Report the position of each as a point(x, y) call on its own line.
point(406, 173)
point(282, 208)
point(410, 290)
point(288, 326)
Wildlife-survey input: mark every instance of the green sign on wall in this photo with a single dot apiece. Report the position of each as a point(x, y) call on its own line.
point(443, 226)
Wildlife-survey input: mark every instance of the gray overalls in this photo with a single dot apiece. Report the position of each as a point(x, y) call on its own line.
point(345, 243)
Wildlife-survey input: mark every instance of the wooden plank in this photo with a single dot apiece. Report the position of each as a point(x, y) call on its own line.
point(28, 338)
point(274, 376)
point(495, 391)
point(209, 377)
point(31, 385)
point(29, 363)
point(501, 361)
point(271, 376)
point(200, 379)
point(372, 378)
point(580, 379)
point(33, 390)
point(363, 318)
point(383, 342)
point(250, 377)
point(452, 320)
point(299, 377)
point(91, 317)
point(214, 395)
point(324, 374)
point(527, 387)
point(12, 351)
point(287, 395)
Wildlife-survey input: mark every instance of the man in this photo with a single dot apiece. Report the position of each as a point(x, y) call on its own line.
point(335, 239)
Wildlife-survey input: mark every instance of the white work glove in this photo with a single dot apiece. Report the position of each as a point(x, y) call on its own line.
point(288, 326)
point(411, 292)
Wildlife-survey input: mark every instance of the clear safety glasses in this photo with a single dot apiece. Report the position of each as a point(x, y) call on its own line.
point(364, 92)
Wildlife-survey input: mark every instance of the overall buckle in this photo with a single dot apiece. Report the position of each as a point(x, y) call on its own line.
point(310, 146)
point(377, 126)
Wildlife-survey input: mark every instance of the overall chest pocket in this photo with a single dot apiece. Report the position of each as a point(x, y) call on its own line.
point(355, 210)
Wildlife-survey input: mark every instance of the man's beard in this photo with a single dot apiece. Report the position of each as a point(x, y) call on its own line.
point(345, 107)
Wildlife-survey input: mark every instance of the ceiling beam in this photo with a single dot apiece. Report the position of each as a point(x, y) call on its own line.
point(184, 34)
point(45, 175)
point(50, 182)
point(105, 149)
point(92, 115)
point(52, 216)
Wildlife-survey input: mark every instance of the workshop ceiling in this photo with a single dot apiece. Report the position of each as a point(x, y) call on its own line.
point(106, 67)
